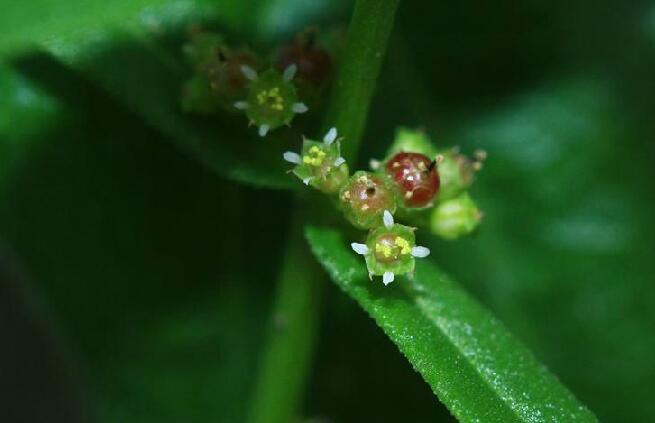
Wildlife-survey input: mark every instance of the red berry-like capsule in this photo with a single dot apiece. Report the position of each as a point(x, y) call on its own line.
point(365, 197)
point(416, 177)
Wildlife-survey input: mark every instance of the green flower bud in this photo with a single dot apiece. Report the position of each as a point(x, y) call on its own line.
point(412, 141)
point(456, 217)
point(457, 172)
point(390, 249)
point(365, 197)
point(320, 164)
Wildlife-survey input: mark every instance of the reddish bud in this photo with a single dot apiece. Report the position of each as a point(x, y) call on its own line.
point(416, 178)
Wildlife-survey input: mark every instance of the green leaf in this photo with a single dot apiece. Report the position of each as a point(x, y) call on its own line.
point(473, 364)
point(559, 279)
point(57, 24)
point(146, 79)
point(24, 112)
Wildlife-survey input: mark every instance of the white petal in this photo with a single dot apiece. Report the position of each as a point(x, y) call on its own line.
point(359, 248)
point(387, 278)
point(263, 130)
point(306, 181)
point(290, 72)
point(330, 136)
point(338, 162)
point(299, 108)
point(292, 157)
point(420, 252)
point(249, 72)
point(374, 164)
point(387, 219)
point(241, 105)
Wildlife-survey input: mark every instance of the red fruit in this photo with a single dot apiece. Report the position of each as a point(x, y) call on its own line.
point(416, 177)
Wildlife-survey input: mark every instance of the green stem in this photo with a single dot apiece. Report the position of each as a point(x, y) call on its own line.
point(293, 330)
point(368, 36)
point(295, 314)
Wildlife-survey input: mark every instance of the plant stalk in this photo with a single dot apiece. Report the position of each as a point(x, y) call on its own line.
point(368, 36)
point(296, 309)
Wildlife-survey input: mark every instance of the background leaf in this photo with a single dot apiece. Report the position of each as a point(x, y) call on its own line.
point(72, 24)
point(469, 359)
point(147, 79)
point(157, 313)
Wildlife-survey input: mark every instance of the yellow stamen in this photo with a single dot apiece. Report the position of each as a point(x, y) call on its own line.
point(272, 97)
point(403, 244)
point(384, 249)
point(315, 156)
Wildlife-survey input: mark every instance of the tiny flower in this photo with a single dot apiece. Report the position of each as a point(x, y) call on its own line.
point(390, 250)
point(272, 100)
point(456, 217)
point(457, 172)
point(365, 197)
point(416, 178)
point(320, 164)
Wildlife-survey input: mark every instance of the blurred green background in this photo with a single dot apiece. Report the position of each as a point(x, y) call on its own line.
point(135, 282)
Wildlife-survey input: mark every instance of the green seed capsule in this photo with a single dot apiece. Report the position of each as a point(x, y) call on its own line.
point(272, 100)
point(365, 197)
point(320, 164)
point(457, 172)
point(456, 217)
point(390, 249)
point(412, 141)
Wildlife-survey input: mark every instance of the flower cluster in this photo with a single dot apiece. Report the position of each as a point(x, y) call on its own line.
point(415, 179)
point(237, 79)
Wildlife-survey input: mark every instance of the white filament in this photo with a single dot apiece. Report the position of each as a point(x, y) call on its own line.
point(292, 157)
point(330, 136)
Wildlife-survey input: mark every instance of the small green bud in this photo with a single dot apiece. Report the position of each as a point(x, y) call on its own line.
point(272, 100)
point(390, 249)
point(365, 197)
point(456, 217)
point(412, 141)
point(320, 164)
point(457, 172)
